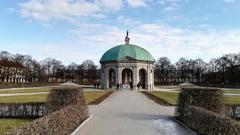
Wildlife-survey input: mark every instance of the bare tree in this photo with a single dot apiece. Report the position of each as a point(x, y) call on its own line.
point(162, 67)
point(90, 70)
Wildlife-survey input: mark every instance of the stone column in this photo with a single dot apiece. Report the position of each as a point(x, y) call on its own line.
point(135, 78)
point(153, 86)
point(119, 76)
point(102, 77)
point(148, 77)
point(106, 72)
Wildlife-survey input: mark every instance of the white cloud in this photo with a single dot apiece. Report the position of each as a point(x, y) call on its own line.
point(170, 5)
point(165, 40)
point(127, 21)
point(139, 3)
point(158, 39)
point(91, 37)
point(46, 10)
point(71, 10)
point(172, 42)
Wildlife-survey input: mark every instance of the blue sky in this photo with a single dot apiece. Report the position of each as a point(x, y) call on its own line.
point(75, 30)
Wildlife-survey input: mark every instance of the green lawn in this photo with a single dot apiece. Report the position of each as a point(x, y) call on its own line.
point(232, 91)
point(171, 97)
point(7, 124)
point(23, 99)
point(89, 95)
point(24, 91)
point(232, 99)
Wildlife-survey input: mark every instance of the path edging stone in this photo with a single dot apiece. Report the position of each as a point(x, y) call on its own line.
point(81, 125)
point(107, 98)
point(183, 125)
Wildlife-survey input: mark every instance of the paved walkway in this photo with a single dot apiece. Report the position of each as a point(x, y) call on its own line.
point(131, 113)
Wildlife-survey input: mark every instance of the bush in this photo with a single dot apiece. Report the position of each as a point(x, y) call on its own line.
point(70, 110)
point(203, 110)
point(210, 123)
point(210, 99)
point(61, 96)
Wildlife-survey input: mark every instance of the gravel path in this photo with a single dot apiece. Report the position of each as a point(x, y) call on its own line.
point(131, 113)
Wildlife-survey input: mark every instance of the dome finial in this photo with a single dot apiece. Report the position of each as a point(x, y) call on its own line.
point(127, 39)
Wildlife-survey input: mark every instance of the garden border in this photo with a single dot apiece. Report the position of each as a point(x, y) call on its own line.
point(156, 99)
point(81, 125)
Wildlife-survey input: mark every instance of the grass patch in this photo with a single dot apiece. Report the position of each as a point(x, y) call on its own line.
point(8, 124)
point(171, 98)
point(24, 99)
point(90, 96)
point(232, 91)
point(95, 97)
point(232, 99)
point(24, 91)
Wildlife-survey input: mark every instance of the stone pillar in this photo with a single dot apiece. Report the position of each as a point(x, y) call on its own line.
point(102, 77)
point(153, 86)
point(149, 77)
point(135, 78)
point(106, 72)
point(119, 76)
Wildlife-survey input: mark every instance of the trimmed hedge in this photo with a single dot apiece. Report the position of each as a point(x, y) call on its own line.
point(61, 96)
point(203, 110)
point(21, 110)
point(68, 113)
point(210, 99)
point(210, 123)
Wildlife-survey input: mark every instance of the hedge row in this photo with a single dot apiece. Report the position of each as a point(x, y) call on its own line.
point(203, 110)
point(210, 123)
point(4, 85)
point(21, 110)
point(210, 99)
point(67, 113)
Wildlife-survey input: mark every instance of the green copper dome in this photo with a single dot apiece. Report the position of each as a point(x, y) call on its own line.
point(121, 51)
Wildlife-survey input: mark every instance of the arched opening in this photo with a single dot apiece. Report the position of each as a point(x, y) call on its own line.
point(112, 78)
point(142, 79)
point(127, 79)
